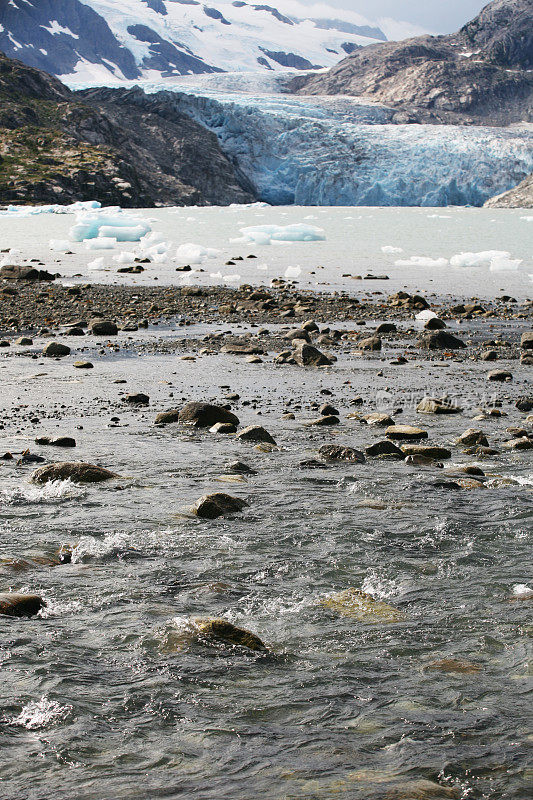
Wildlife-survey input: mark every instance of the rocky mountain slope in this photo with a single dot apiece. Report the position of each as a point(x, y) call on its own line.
point(101, 41)
point(482, 74)
point(56, 147)
point(519, 197)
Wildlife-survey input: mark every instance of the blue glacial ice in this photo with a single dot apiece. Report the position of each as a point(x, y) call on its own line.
point(339, 151)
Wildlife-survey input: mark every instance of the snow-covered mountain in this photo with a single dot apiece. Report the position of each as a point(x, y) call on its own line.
point(115, 40)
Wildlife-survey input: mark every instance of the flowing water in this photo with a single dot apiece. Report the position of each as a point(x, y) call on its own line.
point(95, 703)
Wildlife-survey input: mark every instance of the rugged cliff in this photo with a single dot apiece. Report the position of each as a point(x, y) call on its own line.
point(519, 197)
point(481, 75)
point(56, 146)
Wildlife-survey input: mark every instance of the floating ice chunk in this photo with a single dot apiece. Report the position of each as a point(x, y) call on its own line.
point(158, 258)
point(527, 219)
point(421, 261)
point(232, 278)
point(100, 244)
point(30, 211)
point(293, 272)
point(423, 316)
point(217, 275)
point(392, 250)
point(297, 232)
point(124, 258)
point(96, 265)
point(60, 245)
point(122, 234)
point(150, 239)
point(482, 259)
point(504, 264)
point(157, 249)
point(195, 253)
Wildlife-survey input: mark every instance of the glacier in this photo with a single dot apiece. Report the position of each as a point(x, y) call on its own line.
point(340, 151)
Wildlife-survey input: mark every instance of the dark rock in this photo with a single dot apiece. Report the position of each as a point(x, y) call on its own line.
point(83, 365)
point(306, 355)
point(329, 419)
point(225, 631)
point(326, 410)
point(473, 437)
point(13, 272)
point(16, 604)
point(384, 448)
point(405, 432)
point(489, 355)
point(211, 506)
point(526, 342)
point(103, 328)
point(334, 452)
point(435, 324)
point(428, 450)
point(56, 349)
point(56, 441)
point(371, 343)
point(432, 405)
point(255, 433)
point(201, 415)
point(525, 403)
point(138, 399)
point(223, 427)
point(386, 327)
point(76, 471)
point(499, 375)
point(441, 340)
point(239, 468)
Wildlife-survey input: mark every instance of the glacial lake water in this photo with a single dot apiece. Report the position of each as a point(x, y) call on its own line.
point(354, 238)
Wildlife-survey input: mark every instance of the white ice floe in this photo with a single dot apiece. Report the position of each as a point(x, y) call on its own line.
point(195, 253)
point(392, 250)
point(504, 264)
point(125, 257)
point(423, 316)
point(527, 219)
point(60, 245)
point(30, 211)
point(109, 223)
point(421, 261)
point(522, 591)
point(481, 259)
point(96, 266)
point(266, 234)
point(293, 272)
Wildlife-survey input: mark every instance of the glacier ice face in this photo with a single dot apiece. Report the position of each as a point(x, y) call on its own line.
point(339, 151)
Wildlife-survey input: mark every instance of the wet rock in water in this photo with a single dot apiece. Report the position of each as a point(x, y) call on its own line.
point(327, 410)
point(329, 419)
point(312, 463)
point(467, 470)
point(378, 418)
point(334, 452)
point(362, 606)
point(298, 333)
point(201, 415)
point(428, 450)
point(56, 441)
point(16, 604)
point(454, 665)
point(223, 427)
point(240, 468)
point(472, 436)
point(218, 504)
point(419, 460)
point(23, 341)
point(226, 632)
point(384, 449)
point(525, 403)
point(83, 365)
point(526, 342)
point(305, 355)
point(433, 405)
point(311, 326)
point(14, 272)
point(255, 433)
point(441, 340)
point(489, 355)
point(167, 417)
point(401, 432)
point(56, 349)
point(500, 375)
point(480, 450)
point(103, 327)
point(77, 471)
point(462, 483)
point(241, 350)
point(372, 343)
point(137, 399)
point(386, 327)
point(420, 790)
point(435, 324)
point(522, 443)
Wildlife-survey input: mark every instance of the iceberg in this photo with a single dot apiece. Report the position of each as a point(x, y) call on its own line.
point(421, 261)
point(60, 245)
point(100, 244)
point(297, 232)
point(195, 253)
point(482, 259)
point(109, 223)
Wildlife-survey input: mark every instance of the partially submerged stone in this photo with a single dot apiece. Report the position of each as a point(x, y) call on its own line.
point(103, 327)
point(433, 405)
point(362, 606)
point(225, 631)
point(372, 343)
point(409, 432)
point(454, 665)
point(77, 471)
point(223, 428)
point(473, 436)
point(305, 355)
point(56, 441)
point(329, 419)
point(56, 350)
point(201, 415)
point(427, 450)
point(255, 433)
point(218, 504)
point(499, 375)
point(384, 449)
point(17, 604)
point(522, 443)
point(441, 340)
point(378, 418)
point(334, 452)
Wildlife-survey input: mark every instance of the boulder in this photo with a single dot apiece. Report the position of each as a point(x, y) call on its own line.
point(328, 419)
point(167, 417)
point(77, 471)
point(378, 418)
point(56, 349)
point(103, 327)
point(298, 333)
point(371, 343)
point(386, 327)
point(334, 452)
point(472, 436)
point(223, 427)
point(489, 355)
point(522, 443)
point(362, 607)
point(83, 365)
point(526, 342)
point(441, 340)
point(13, 272)
point(435, 324)
point(16, 604)
point(138, 399)
point(255, 433)
point(202, 415)
point(211, 506)
point(418, 460)
point(405, 432)
point(525, 403)
point(56, 441)
point(427, 450)
point(327, 410)
point(384, 449)
point(239, 468)
point(433, 405)
point(499, 375)
point(305, 355)
point(23, 341)
point(226, 632)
